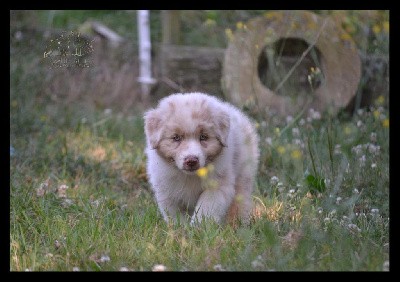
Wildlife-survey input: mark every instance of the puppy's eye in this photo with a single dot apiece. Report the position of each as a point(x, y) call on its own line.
point(203, 137)
point(177, 138)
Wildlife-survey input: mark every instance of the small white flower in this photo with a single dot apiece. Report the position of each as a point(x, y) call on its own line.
point(280, 186)
point(274, 180)
point(359, 123)
point(373, 137)
point(27, 269)
point(373, 149)
point(292, 191)
point(374, 211)
point(386, 266)
point(338, 200)
point(338, 149)
point(159, 267)
point(316, 115)
point(302, 122)
point(62, 191)
point(218, 267)
point(268, 140)
point(107, 111)
point(18, 35)
point(327, 181)
point(95, 203)
point(289, 119)
point(312, 114)
point(357, 149)
point(348, 168)
point(296, 131)
point(360, 112)
point(12, 151)
point(373, 165)
point(362, 160)
point(66, 203)
point(104, 258)
point(43, 188)
point(75, 268)
point(355, 191)
point(299, 143)
point(263, 124)
point(84, 120)
point(40, 192)
point(257, 264)
point(353, 227)
point(124, 269)
point(320, 210)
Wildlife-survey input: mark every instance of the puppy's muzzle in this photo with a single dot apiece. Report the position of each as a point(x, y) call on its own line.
point(191, 163)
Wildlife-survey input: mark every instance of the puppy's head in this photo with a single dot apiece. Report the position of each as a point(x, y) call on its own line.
point(189, 130)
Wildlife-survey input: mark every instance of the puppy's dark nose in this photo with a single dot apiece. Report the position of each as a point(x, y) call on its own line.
point(191, 163)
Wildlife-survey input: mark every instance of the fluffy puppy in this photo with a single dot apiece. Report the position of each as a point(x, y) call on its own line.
point(202, 158)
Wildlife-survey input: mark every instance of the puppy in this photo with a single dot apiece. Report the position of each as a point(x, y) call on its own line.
point(202, 158)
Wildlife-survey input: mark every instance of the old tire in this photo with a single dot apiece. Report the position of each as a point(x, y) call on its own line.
point(339, 61)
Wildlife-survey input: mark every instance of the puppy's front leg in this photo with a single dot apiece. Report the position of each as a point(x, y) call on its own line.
point(169, 209)
point(213, 203)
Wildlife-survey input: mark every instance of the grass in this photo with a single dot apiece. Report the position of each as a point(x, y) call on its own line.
point(321, 201)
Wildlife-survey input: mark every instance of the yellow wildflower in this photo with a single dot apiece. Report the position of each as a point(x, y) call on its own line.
point(376, 29)
point(228, 33)
point(296, 154)
point(347, 130)
point(277, 131)
point(239, 25)
point(380, 100)
point(273, 16)
point(376, 114)
point(202, 172)
point(345, 36)
point(385, 122)
point(386, 26)
point(14, 103)
point(281, 150)
point(210, 22)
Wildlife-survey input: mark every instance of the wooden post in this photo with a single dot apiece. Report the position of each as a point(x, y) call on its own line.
point(170, 27)
point(144, 54)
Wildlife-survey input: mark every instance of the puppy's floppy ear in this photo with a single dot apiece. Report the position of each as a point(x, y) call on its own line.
point(222, 122)
point(152, 126)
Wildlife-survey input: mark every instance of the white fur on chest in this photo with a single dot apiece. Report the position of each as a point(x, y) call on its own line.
point(172, 184)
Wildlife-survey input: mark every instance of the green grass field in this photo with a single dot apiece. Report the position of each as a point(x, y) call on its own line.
point(79, 197)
